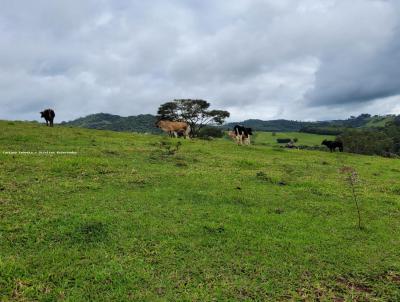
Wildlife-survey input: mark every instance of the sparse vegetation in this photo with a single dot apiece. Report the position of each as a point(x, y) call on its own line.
point(352, 180)
point(209, 131)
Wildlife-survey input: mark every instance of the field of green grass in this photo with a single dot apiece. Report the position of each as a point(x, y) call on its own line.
point(267, 139)
point(148, 218)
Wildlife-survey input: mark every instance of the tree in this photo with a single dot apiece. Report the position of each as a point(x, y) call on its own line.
point(195, 112)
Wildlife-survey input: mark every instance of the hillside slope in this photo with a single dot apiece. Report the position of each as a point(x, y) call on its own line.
point(329, 127)
point(142, 218)
point(145, 123)
point(104, 121)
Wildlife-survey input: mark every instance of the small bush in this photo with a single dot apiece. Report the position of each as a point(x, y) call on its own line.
point(210, 131)
point(283, 140)
point(168, 148)
point(352, 179)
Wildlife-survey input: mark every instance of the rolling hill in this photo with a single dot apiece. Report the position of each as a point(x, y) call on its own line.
point(332, 127)
point(107, 216)
point(104, 121)
point(145, 123)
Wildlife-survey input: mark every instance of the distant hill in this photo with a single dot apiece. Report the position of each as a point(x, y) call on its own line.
point(145, 123)
point(140, 123)
point(332, 127)
point(273, 125)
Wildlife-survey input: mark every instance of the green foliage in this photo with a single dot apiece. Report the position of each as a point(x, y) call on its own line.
point(283, 140)
point(146, 123)
point(103, 121)
point(334, 127)
point(195, 112)
point(210, 131)
point(366, 142)
point(380, 141)
point(270, 126)
point(323, 130)
point(337, 127)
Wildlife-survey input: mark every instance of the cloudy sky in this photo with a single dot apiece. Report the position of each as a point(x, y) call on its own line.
point(267, 59)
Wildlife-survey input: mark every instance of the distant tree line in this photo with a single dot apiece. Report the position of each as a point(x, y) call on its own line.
point(322, 130)
point(384, 141)
point(271, 126)
point(103, 121)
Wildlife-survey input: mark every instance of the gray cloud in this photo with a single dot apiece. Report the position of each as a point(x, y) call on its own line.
point(357, 77)
point(301, 59)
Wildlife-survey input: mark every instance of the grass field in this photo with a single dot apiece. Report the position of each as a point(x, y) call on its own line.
point(141, 218)
point(267, 139)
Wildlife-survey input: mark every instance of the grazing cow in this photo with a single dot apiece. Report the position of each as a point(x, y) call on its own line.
point(242, 134)
point(332, 145)
point(174, 128)
point(48, 115)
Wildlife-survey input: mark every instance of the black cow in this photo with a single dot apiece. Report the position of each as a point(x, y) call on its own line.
point(48, 115)
point(332, 145)
point(242, 134)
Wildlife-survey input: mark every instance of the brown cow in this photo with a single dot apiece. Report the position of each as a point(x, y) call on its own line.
point(48, 115)
point(173, 128)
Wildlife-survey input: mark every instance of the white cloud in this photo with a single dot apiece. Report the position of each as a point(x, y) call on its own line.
point(300, 59)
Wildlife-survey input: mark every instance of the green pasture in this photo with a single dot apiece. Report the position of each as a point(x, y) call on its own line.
point(129, 217)
point(307, 139)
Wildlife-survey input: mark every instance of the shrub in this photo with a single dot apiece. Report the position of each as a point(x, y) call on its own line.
point(366, 142)
point(210, 131)
point(283, 140)
point(351, 177)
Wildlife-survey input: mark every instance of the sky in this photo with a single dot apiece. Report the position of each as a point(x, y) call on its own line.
point(265, 59)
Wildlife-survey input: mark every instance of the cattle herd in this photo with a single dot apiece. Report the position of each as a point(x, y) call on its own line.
point(240, 133)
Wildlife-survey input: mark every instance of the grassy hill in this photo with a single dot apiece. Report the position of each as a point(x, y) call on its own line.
point(280, 125)
point(143, 218)
point(145, 123)
point(378, 121)
point(104, 121)
point(333, 127)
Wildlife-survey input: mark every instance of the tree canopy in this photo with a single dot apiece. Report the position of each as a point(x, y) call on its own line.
point(195, 112)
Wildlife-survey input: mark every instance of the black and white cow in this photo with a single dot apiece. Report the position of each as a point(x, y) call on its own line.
point(242, 134)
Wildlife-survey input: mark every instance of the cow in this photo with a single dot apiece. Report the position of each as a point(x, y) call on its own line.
point(174, 129)
point(48, 115)
point(242, 134)
point(332, 145)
